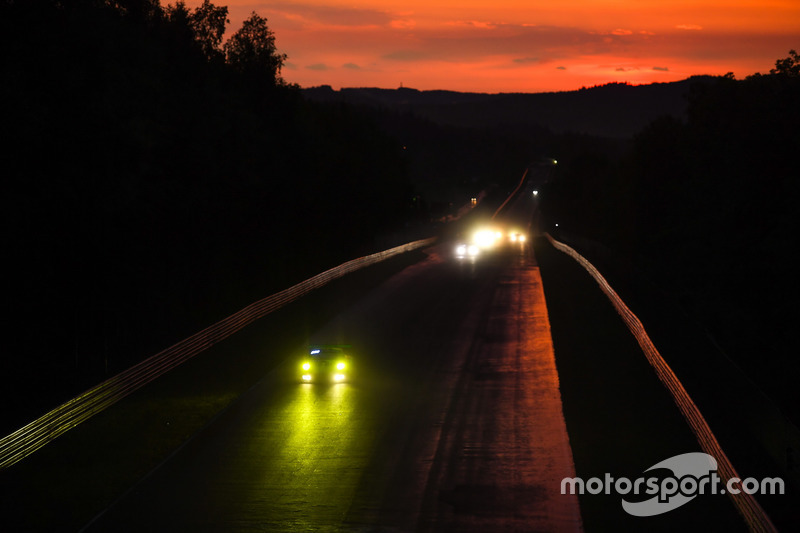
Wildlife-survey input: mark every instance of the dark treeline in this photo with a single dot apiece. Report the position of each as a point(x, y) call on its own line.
point(157, 179)
point(447, 160)
point(707, 206)
point(452, 163)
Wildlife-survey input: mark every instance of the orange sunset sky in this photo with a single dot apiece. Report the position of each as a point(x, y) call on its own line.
point(521, 45)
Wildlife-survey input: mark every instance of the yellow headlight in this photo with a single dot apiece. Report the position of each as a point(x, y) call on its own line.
point(340, 366)
point(306, 366)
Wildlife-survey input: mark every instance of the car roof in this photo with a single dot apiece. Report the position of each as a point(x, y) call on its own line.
point(326, 351)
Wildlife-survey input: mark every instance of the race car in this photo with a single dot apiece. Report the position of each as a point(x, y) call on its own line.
point(326, 364)
point(467, 250)
point(487, 238)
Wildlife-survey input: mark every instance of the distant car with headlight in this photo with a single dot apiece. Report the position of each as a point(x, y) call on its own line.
point(329, 364)
point(467, 250)
point(487, 238)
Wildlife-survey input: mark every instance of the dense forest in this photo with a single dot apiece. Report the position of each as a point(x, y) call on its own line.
point(706, 206)
point(157, 179)
point(614, 110)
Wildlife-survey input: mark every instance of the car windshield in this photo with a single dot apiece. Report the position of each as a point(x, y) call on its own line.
point(326, 353)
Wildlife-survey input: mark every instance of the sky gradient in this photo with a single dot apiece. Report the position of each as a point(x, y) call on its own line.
point(521, 46)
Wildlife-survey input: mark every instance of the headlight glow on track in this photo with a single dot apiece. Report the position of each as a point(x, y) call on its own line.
point(486, 238)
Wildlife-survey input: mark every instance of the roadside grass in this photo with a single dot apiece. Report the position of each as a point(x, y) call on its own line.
point(62, 486)
point(620, 418)
point(757, 437)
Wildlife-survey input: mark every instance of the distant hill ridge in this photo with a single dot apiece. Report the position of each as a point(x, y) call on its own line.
point(615, 110)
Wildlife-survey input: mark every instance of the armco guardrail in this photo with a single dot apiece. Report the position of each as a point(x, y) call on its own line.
point(512, 195)
point(43, 430)
point(748, 507)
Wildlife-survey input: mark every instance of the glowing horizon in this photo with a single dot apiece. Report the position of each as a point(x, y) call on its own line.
point(511, 46)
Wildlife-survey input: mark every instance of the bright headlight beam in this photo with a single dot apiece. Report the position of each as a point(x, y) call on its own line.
point(484, 239)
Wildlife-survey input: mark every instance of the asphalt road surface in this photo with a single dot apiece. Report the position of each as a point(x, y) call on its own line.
point(452, 421)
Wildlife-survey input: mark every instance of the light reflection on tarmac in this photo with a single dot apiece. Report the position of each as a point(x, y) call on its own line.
point(453, 422)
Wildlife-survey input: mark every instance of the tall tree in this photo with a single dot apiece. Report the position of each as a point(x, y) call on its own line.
point(252, 51)
point(789, 66)
point(179, 17)
point(208, 22)
point(140, 10)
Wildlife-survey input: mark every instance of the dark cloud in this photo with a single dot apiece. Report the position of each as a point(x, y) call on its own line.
point(462, 42)
point(406, 55)
point(378, 42)
point(333, 15)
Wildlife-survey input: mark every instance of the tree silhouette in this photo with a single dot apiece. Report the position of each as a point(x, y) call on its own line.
point(208, 22)
point(789, 66)
point(139, 10)
point(178, 19)
point(252, 51)
point(710, 212)
point(180, 157)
